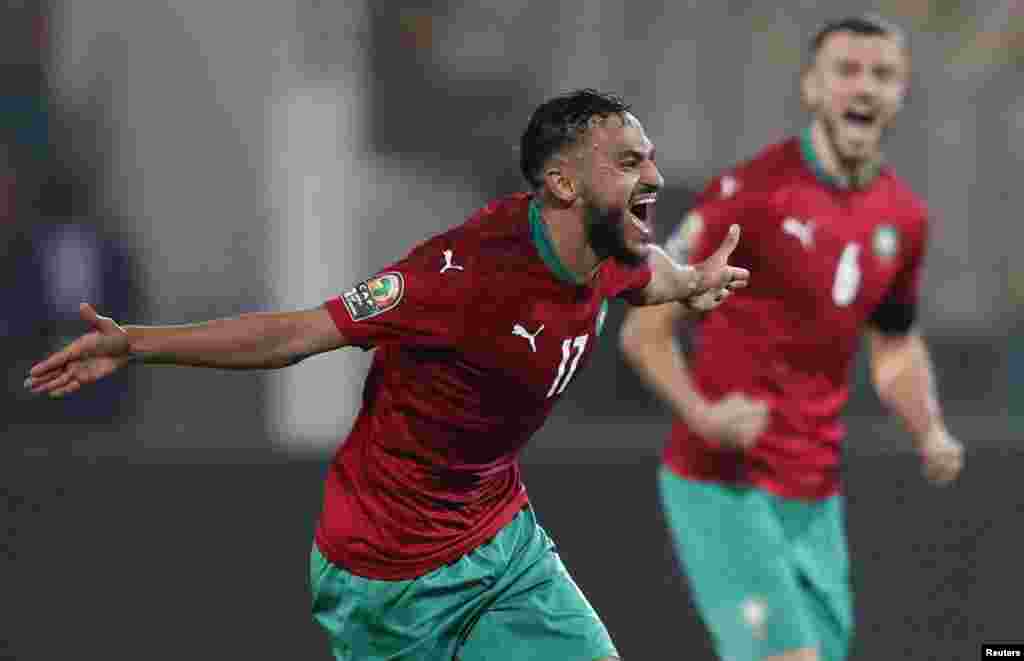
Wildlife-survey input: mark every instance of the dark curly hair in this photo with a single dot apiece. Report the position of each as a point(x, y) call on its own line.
point(559, 123)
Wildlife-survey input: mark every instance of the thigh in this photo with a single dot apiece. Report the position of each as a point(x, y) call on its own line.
point(413, 620)
point(822, 561)
point(738, 564)
point(538, 613)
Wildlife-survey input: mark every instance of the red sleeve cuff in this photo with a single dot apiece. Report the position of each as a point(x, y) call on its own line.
point(339, 315)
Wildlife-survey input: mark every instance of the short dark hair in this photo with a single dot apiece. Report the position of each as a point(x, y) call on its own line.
point(868, 25)
point(559, 123)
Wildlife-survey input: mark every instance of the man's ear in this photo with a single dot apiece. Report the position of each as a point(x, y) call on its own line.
point(560, 184)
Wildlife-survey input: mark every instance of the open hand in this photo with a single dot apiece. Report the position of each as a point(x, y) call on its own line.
point(717, 279)
point(91, 357)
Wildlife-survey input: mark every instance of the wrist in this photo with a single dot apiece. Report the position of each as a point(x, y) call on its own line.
point(694, 412)
point(936, 429)
point(135, 352)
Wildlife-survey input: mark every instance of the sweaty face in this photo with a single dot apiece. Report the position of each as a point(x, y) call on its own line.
point(619, 185)
point(855, 87)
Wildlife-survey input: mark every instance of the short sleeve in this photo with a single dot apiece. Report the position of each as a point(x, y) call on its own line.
point(420, 301)
point(620, 280)
point(905, 288)
point(897, 311)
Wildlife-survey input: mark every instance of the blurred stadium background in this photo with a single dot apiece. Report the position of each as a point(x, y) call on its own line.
point(179, 160)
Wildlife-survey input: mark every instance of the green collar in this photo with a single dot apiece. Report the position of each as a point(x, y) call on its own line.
point(860, 181)
point(539, 235)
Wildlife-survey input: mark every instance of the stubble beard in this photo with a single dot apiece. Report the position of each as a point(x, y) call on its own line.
point(849, 163)
point(605, 233)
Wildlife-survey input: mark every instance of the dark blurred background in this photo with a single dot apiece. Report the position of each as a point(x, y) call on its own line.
point(187, 159)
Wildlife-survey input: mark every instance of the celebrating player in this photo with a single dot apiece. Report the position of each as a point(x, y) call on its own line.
point(750, 476)
point(427, 546)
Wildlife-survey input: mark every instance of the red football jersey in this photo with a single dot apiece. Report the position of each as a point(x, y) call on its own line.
point(477, 334)
point(822, 258)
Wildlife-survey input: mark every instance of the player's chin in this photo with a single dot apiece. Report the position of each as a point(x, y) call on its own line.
point(857, 143)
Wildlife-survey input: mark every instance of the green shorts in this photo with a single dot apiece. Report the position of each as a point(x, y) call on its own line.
point(768, 574)
point(509, 599)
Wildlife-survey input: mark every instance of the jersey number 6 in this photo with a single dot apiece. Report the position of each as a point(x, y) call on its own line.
point(844, 289)
point(579, 344)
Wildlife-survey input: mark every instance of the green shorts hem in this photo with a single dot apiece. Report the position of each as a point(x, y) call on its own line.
point(510, 599)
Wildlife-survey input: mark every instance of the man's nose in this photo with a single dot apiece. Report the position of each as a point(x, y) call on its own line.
point(652, 176)
point(866, 87)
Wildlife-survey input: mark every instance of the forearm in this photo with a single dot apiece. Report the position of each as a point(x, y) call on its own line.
point(249, 341)
point(905, 381)
point(656, 356)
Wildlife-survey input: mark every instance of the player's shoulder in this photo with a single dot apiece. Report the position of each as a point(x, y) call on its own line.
point(502, 220)
point(900, 198)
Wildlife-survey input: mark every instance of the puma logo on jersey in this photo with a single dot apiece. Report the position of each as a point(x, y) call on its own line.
point(448, 254)
point(519, 331)
point(803, 231)
point(729, 185)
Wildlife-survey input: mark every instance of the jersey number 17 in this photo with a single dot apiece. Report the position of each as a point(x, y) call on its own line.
point(563, 377)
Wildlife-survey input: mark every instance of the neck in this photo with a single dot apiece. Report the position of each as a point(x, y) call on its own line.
point(827, 157)
point(567, 232)
point(847, 173)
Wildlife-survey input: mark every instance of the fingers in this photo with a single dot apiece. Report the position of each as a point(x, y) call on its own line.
point(55, 384)
point(939, 475)
point(105, 325)
point(943, 468)
point(738, 278)
point(49, 381)
point(755, 413)
point(57, 361)
point(732, 239)
point(748, 419)
point(88, 314)
point(71, 387)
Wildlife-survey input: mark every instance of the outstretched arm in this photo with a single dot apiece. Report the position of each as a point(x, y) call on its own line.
point(264, 340)
point(701, 286)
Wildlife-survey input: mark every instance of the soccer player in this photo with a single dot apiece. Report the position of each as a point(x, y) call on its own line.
point(427, 546)
point(750, 477)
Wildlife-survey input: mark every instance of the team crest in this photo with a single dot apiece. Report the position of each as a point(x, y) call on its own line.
point(681, 242)
point(886, 241)
point(374, 296)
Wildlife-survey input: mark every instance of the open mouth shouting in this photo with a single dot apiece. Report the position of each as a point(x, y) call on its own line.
point(641, 213)
point(863, 118)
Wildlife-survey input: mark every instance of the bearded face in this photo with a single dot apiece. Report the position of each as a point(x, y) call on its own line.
point(855, 88)
point(619, 187)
